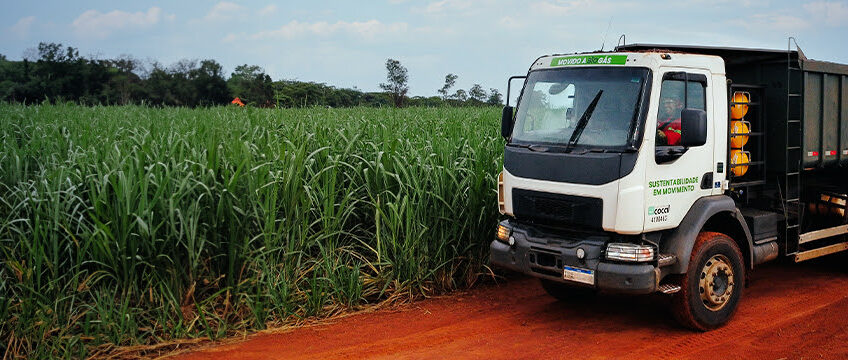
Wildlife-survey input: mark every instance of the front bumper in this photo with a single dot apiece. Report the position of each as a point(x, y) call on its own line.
point(544, 255)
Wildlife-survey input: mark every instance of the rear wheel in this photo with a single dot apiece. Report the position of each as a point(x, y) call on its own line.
point(712, 286)
point(565, 292)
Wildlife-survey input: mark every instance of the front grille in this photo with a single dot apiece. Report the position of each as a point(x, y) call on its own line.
point(557, 209)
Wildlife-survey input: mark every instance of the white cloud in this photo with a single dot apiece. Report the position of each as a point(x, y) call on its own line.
point(268, 10)
point(364, 29)
point(21, 28)
point(451, 6)
point(93, 23)
point(459, 8)
point(224, 11)
point(593, 7)
point(440, 6)
point(568, 7)
point(832, 13)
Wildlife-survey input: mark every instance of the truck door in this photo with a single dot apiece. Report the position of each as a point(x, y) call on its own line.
point(678, 176)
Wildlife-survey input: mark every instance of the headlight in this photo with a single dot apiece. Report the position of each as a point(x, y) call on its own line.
point(630, 252)
point(503, 234)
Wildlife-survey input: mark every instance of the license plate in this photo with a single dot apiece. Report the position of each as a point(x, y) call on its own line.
point(584, 276)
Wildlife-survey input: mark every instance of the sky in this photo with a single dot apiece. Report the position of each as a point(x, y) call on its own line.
point(346, 43)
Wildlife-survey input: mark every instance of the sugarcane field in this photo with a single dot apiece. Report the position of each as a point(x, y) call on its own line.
point(424, 180)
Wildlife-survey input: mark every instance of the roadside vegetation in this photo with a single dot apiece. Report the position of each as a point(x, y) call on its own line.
point(56, 73)
point(135, 225)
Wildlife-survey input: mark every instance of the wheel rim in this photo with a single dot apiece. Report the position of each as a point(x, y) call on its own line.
point(716, 282)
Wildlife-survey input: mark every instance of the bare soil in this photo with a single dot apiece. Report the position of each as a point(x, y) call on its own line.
point(788, 311)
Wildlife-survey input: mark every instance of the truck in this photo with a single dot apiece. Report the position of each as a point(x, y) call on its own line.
point(672, 169)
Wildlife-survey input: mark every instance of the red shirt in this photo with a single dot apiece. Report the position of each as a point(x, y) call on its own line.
point(671, 128)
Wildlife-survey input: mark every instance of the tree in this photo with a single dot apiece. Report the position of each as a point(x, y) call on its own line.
point(461, 95)
point(180, 85)
point(209, 83)
point(59, 73)
point(450, 81)
point(476, 93)
point(251, 84)
point(495, 97)
point(52, 52)
point(124, 84)
point(396, 85)
point(158, 85)
point(173, 85)
point(11, 79)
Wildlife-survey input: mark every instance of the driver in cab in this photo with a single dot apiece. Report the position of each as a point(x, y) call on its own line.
point(668, 121)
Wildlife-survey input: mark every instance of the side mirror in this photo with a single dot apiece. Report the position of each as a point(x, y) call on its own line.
point(693, 127)
point(506, 122)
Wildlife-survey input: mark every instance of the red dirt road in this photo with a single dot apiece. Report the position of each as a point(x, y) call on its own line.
point(790, 311)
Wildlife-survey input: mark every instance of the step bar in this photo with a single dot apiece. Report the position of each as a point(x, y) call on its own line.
point(818, 235)
point(827, 250)
point(822, 234)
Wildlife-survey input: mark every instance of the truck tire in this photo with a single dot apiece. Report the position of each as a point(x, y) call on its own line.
point(565, 292)
point(712, 286)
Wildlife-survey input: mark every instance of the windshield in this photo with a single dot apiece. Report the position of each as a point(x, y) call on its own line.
point(601, 103)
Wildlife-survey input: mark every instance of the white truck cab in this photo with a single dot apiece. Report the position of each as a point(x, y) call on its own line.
point(614, 157)
point(618, 175)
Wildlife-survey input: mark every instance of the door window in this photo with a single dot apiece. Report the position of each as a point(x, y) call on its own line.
point(678, 91)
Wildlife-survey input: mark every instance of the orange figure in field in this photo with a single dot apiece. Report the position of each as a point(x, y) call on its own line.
point(238, 102)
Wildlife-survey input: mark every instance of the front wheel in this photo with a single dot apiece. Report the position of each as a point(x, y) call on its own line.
point(712, 286)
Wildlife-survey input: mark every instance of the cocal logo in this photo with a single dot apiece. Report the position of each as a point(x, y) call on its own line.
point(659, 210)
point(659, 213)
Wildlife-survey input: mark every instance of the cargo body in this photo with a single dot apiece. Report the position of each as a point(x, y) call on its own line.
point(673, 169)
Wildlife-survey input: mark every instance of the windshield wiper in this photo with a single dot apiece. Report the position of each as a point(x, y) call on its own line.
point(531, 147)
point(581, 124)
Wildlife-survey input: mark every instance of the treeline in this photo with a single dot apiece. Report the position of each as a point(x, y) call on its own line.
point(54, 73)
